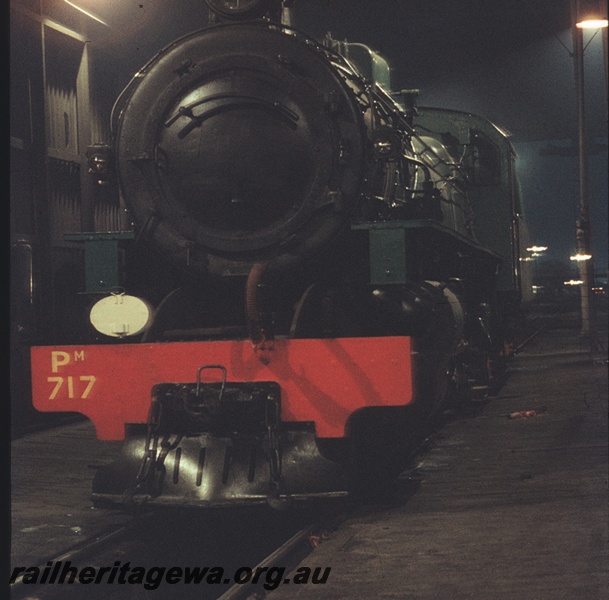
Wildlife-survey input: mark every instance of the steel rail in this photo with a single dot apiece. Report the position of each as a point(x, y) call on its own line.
point(532, 336)
point(81, 549)
point(293, 550)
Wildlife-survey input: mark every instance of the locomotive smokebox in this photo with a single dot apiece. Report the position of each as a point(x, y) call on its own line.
point(240, 144)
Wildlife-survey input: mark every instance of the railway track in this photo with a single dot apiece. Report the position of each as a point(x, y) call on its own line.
point(82, 551)
point(287, 555)
point(531, 336)
point(232, 555)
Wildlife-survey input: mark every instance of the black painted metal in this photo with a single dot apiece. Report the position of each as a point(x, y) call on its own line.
point(221, 471)
point(240, 144)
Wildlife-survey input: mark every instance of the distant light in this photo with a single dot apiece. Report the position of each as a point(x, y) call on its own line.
point(525, 259)
point(580, 257)
point(592, 24)
point(573, 282)
point(537, 249)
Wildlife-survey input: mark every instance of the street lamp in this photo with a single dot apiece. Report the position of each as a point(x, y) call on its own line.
point(582, 19)
point(590, 16)
point(580, 257)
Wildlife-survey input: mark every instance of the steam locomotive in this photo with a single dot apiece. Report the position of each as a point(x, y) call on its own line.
point(318, 268)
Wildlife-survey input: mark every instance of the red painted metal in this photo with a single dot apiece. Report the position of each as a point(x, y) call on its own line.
point(322, 380)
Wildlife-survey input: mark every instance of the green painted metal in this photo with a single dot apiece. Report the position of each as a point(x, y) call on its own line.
point(494, 197)
point(388, 257)
point(102, 254)
point(403, 251)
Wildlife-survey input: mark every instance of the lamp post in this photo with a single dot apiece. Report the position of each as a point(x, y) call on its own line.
point(583, 229)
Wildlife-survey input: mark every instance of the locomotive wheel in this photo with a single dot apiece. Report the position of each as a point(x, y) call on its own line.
point(379, 442)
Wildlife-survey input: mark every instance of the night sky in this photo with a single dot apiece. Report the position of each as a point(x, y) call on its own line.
point(508, 60)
